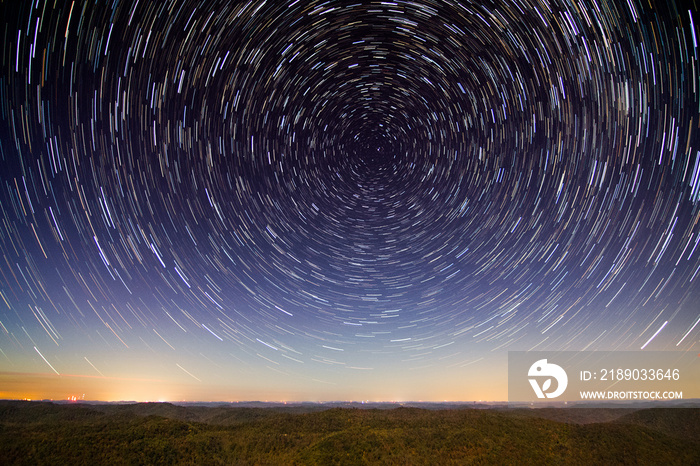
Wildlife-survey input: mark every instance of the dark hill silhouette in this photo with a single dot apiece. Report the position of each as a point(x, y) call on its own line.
point(163, 433)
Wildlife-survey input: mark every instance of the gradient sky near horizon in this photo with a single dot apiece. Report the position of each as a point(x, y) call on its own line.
point(341, 200)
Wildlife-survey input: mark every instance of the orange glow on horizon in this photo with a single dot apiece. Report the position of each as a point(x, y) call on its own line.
point(22, 386)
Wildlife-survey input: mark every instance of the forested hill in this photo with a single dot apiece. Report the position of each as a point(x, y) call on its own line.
point(162, 433)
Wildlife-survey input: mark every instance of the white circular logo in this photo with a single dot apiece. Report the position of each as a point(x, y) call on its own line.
point(543, 370)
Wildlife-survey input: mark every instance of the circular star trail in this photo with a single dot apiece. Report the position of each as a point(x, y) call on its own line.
point(321, 186)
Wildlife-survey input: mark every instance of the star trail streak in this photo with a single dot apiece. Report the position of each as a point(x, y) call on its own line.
point(343, 200)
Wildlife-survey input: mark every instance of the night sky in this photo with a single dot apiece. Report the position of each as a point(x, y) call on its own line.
point(341, 200)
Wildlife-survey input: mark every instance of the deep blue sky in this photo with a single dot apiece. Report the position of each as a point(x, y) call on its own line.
point(341, 200)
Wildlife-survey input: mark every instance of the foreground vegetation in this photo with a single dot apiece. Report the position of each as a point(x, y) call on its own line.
point(45, 433)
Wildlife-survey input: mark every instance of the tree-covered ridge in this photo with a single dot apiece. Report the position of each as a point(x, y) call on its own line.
point(45, 433)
